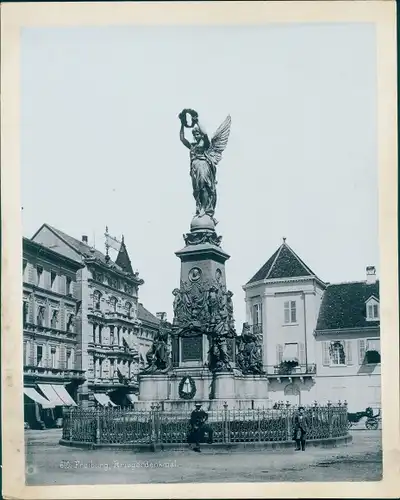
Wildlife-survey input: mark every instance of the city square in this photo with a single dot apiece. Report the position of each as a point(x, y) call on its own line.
point(47, 461)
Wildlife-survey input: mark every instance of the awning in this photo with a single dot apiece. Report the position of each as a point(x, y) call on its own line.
point(38, 398)
point(63, 394)
point(373, 345)
point(103, 399)
point(132, 398)
point(51, 394)
point(290, 353)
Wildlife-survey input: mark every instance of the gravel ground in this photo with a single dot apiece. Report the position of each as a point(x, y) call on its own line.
point(48, 463)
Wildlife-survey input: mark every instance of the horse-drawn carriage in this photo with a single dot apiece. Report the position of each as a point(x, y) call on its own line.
point(371, 420)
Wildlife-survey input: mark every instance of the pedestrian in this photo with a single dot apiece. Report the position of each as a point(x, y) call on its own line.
point(300, 429)
point(199, 427)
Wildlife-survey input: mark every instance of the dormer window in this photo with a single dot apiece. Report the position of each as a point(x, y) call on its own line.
point(372, 308)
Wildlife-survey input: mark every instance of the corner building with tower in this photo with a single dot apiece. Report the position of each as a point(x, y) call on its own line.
point(320, 341)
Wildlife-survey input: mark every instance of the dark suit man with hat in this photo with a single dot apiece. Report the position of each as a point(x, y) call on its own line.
point(198, 427)
point(300, 429)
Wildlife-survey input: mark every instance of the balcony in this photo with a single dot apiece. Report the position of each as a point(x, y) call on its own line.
point(45, 373)
point(47, 331)
point(256, 329)
point(285, 371)
point(112, 349)
point(122, 316)
point(112, 383)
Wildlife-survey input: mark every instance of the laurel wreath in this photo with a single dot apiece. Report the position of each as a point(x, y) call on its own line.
point(183, 117)
point(187, 395)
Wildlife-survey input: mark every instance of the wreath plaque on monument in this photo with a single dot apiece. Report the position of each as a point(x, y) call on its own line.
point(187, 388)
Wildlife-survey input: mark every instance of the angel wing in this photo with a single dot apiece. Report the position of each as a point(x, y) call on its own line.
point(219, 141)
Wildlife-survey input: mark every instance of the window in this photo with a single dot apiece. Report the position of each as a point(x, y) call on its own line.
point(53, 277)
point(373, 311)
point(69, 360)
point(96, 300)
point(70, 323)
point(337, 354)
point(290, 312)
point(25, 308)
point(369, 351)
point(24, 264)
point(112, 329)
point(100, 334)
point(113, 304)
point(39, 355)
point(53, 357)
point(257, 315)
point(128, 307)
point(68, 286)
point(54, 319)
point(39, 275)
point(40, 316)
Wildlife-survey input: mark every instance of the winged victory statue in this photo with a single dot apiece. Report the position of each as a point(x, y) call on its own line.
point(205, 154)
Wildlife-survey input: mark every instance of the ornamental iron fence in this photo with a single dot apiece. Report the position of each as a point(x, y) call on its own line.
point(155, 426)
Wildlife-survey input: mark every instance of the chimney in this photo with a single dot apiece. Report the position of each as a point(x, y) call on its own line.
point(161, 316)
point(371, 275)
point(85, 239)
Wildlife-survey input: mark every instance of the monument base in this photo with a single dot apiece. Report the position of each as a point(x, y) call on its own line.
point(211, 390)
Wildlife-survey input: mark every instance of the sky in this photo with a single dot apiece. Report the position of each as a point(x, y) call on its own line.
point(100, 143)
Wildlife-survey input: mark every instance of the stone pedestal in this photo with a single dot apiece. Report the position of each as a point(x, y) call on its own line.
point(203, 337)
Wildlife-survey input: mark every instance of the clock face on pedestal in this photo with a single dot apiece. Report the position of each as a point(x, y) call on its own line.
point(194, 274)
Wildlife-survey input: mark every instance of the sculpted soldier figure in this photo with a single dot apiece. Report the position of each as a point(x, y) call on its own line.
point(249, 356)
point(158, 356)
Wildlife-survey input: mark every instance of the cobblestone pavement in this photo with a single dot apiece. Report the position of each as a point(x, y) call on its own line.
point(48, 463)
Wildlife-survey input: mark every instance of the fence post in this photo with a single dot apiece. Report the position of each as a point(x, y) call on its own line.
point(330, 419)
point(69, 417)
point(288, 422)
point(97, 426)
point(226, 423)
point(154, 438)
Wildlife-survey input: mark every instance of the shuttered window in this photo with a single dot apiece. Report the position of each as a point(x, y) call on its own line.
point(63, 356)
point(361, 351)
point(325, 354)
point(290, 314)
point(349, 352)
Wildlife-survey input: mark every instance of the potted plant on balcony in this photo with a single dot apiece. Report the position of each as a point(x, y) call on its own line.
point(287, 366)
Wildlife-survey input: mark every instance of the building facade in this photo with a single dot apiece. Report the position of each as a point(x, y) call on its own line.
point(112, 326)
point(52, 372)
point(316, 337)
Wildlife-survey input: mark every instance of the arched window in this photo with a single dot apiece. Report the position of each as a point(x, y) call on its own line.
point(96, 300)
point(128, 308)
point(113, 304)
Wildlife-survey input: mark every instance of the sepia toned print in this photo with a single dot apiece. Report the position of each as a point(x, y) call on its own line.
point(211, 314)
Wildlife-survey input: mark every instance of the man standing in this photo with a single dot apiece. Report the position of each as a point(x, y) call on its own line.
point(300, 429)
point(198, 427)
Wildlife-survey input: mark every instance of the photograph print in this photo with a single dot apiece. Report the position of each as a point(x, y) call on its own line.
point(201, 258)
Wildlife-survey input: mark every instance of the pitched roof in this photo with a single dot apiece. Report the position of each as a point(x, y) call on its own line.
point(284, 263)
point(343, 305)
point(79, 246)
point(122, 263)
point(147, 316)
point(123, 260)
point(42, 251)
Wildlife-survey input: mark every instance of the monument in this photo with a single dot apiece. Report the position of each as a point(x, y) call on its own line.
point(196, 359)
